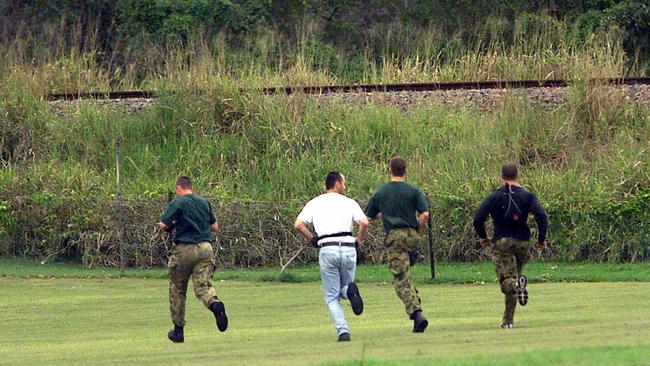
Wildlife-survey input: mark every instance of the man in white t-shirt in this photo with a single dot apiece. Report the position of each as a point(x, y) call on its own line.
point(332, 215)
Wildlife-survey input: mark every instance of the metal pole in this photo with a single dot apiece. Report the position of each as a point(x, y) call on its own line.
point(432, 257)
point(120, 242)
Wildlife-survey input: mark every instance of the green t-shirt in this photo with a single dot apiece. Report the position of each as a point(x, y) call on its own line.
point(192, 216)
point(398, 203)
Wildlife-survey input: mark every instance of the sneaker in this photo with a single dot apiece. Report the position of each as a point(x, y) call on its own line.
point(344, 337)
point(355, 298)
point(522, 293)
point(176, 335)
point(506, 326)
point(219, 312)
point(420, 323)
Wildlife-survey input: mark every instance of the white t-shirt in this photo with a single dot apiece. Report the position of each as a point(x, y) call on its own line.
point(332, 213)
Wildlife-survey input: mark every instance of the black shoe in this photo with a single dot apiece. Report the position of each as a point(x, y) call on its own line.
point(344, 337)
point(522, 293)
point(176, 335)
point(219, 312)
point(420, 323)
point(355, 298)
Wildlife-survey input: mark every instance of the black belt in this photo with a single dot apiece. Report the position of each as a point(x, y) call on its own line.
point(337, 244)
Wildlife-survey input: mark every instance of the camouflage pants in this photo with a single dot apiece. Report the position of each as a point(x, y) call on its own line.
point(510, 255)
point(196, 260)
point(400, 244)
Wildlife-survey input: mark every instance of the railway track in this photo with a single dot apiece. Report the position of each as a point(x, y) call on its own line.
point(369, 88)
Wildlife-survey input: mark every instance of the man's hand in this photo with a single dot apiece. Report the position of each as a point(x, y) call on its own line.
point(484, 242)
point(422, 221)
point(167, 228)
point(542, 244)
point(363, 228)
point(300, 226)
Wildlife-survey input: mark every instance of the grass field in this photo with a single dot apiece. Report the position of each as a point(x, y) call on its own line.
point(448, 273)
point(73, 320)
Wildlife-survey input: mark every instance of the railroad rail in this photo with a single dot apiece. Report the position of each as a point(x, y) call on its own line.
point(369, 88)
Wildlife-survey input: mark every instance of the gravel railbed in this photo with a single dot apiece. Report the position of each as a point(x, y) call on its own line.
point(482, 100)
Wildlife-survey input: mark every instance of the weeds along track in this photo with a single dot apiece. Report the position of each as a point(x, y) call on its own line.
point(484, 95)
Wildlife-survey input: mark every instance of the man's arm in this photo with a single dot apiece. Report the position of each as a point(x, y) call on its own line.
point(542, 221)
point(300, 226)
point(422, 220)
point(372, 208)
point(422, 206)
point(479, 220)
point(167, 218)
point(213, 219)
point(363, 228)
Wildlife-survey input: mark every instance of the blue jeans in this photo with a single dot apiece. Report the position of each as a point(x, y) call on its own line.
point(337, 267)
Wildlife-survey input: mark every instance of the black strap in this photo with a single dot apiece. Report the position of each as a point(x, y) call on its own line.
point(511, 201)
point(316, 238)
point(343, 233)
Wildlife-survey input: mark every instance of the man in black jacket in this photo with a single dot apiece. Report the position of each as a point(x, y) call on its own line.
point(509, 207)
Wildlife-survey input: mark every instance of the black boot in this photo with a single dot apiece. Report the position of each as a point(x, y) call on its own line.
point(219, 312)
point(420, 323)
point(176, 335)
point(355, 298)
point(522, 293)
point(344, 337)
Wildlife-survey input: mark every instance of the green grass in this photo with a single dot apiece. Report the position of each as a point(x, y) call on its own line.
point(452, 273)
point(118, 321)
point(624, 355)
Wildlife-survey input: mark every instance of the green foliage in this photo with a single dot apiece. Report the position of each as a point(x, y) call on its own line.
point(164, 18)
point(127, 36)
point(633, 19)
point(587, 161)
point(242, 148)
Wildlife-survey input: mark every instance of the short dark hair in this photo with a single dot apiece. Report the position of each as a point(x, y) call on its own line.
point(509, 171)
point(397, 166)
point(332, 178)
point(184, 182)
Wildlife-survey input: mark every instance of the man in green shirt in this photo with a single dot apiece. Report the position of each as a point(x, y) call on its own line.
point(404, 211)
point(194, 221)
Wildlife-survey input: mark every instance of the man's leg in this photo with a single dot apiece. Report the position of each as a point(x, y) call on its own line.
point(506, 269)
point(329, 261)
point(349, 289)
point(399, 265)
point(179, 275)
point(202, 283)
point(522, 256)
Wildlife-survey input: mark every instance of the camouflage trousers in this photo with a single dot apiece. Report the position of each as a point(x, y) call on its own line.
point(400, 244)
point(510, 255)
point(196, 260)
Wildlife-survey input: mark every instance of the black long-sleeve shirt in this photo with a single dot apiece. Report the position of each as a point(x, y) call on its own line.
point(510, 214)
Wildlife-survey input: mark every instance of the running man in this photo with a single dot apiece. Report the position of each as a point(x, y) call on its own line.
point(509, 207)
point(404, 211)
point(332, 215)
point(194, 221)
